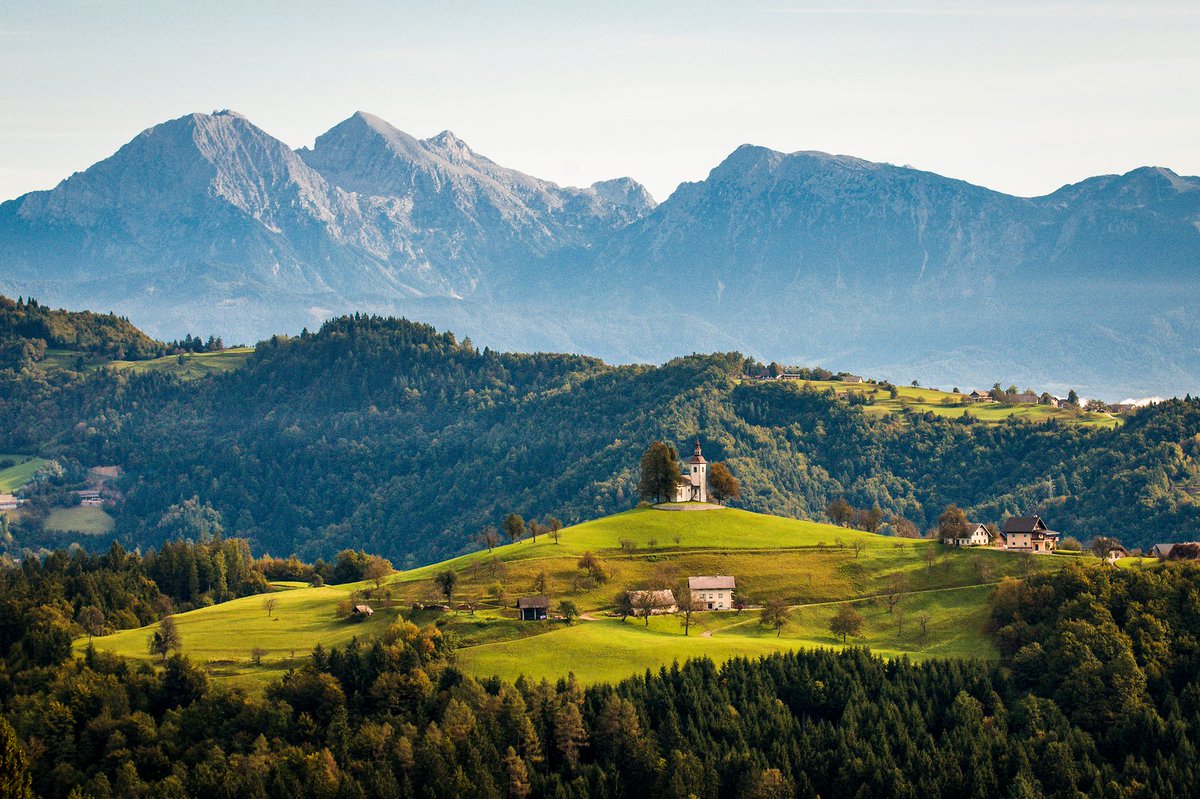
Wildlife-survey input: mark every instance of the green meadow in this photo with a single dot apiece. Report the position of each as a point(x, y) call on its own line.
point(951, 405)
point(85, 519)
point(189, 366)
point(20, 473)
point(812, 567)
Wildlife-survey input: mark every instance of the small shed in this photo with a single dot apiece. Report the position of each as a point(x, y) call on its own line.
point(363, 611)
point(533, 608)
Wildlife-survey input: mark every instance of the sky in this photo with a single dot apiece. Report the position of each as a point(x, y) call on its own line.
point(1021, 97)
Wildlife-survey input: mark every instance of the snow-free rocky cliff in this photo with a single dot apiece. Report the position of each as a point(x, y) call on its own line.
point(208, 224)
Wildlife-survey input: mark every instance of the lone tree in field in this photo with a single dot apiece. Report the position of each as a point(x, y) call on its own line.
point(953, 523)
point(269, 605)
point(568, 611)
point(489, 536)
point(845, 622)
point(894, 589)
point(91, 619)
point(623, 603)
point(256, 655)
point(165, 638)
point(839, 512)
point(775, 616)
point(660, 473)
point(553, 527)
point(687, 606)
point(514, 527)
point(446, 581)
point(535, 529)
point(722, 485)
point(376, 569)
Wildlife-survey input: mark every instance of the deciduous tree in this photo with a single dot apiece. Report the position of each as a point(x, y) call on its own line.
point(846, 622)
point(722, 485)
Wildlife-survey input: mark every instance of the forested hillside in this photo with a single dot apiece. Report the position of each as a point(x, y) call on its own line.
point(1096, 696)
point(389, 436)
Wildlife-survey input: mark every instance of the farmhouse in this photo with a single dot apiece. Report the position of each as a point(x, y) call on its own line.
point(9, 502)
point(693, 482)
point(1162, 551)
point(979, 396)
point(849, 378)
point(533, 608)
point(363, 611)
point(1115, 553)
point(659, 601)
point(712, 593)
point(977, 537)
point(1029, 533)
point(1024, 398)
point(90, 498)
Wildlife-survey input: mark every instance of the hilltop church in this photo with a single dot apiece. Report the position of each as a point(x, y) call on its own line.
point(693, 481)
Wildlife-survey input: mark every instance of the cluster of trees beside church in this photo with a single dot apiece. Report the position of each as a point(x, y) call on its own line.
point(389, 436)
point(1095, 695)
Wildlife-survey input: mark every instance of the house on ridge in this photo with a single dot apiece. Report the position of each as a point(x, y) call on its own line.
point(1029, 533)
point(712, 592)
point(977, 537)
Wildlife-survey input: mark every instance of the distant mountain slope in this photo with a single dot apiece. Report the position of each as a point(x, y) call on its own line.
point(208, 223)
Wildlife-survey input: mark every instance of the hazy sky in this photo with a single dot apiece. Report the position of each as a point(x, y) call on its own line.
point(1020, 97)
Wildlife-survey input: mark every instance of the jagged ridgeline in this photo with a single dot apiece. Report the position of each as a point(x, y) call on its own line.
point(387, 435)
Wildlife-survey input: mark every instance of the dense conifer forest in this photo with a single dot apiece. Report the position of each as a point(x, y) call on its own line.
point(387, 435)
point(1097, 694)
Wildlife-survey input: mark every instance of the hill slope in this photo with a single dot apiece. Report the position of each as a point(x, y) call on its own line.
point(390, 436)
point(808, 565)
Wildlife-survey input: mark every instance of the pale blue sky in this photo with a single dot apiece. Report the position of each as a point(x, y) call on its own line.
point(1020, 97)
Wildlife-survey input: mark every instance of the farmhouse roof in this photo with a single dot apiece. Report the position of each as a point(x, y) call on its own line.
point(533, 603)
point(660, 598)
point(1161, 550)
point(711, 583)
point(1024, 524)
point(364, 610)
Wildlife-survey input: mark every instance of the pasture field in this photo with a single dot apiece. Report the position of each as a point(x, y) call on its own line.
point(189, 366)
point(85, 519)
point(20, 473)
point(919, 399)
point(810, 566)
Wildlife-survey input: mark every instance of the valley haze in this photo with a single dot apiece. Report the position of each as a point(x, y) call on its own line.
point(208, 224)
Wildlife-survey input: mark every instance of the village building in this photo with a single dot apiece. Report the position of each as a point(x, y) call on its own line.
point(693, 481)
point(661, 601)
point(533, 608)
point(9, 502)
point(1115, 553)
point(977, 537)
point(1024, 398)
point(1030, 534)
point(1161, 551)
point(90, 498)
point(846, 377)
point(712, 592)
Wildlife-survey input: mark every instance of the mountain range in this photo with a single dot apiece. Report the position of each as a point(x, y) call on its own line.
point(208, 224)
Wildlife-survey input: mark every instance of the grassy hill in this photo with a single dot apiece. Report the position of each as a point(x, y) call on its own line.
point(813, 567)
point(20, 473)
point(188, 366)
point(949, 405)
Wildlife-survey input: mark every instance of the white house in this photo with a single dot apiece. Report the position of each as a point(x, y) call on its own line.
point(978, 537)
point(9, 502)
point(693, 481)
point(712, 593)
